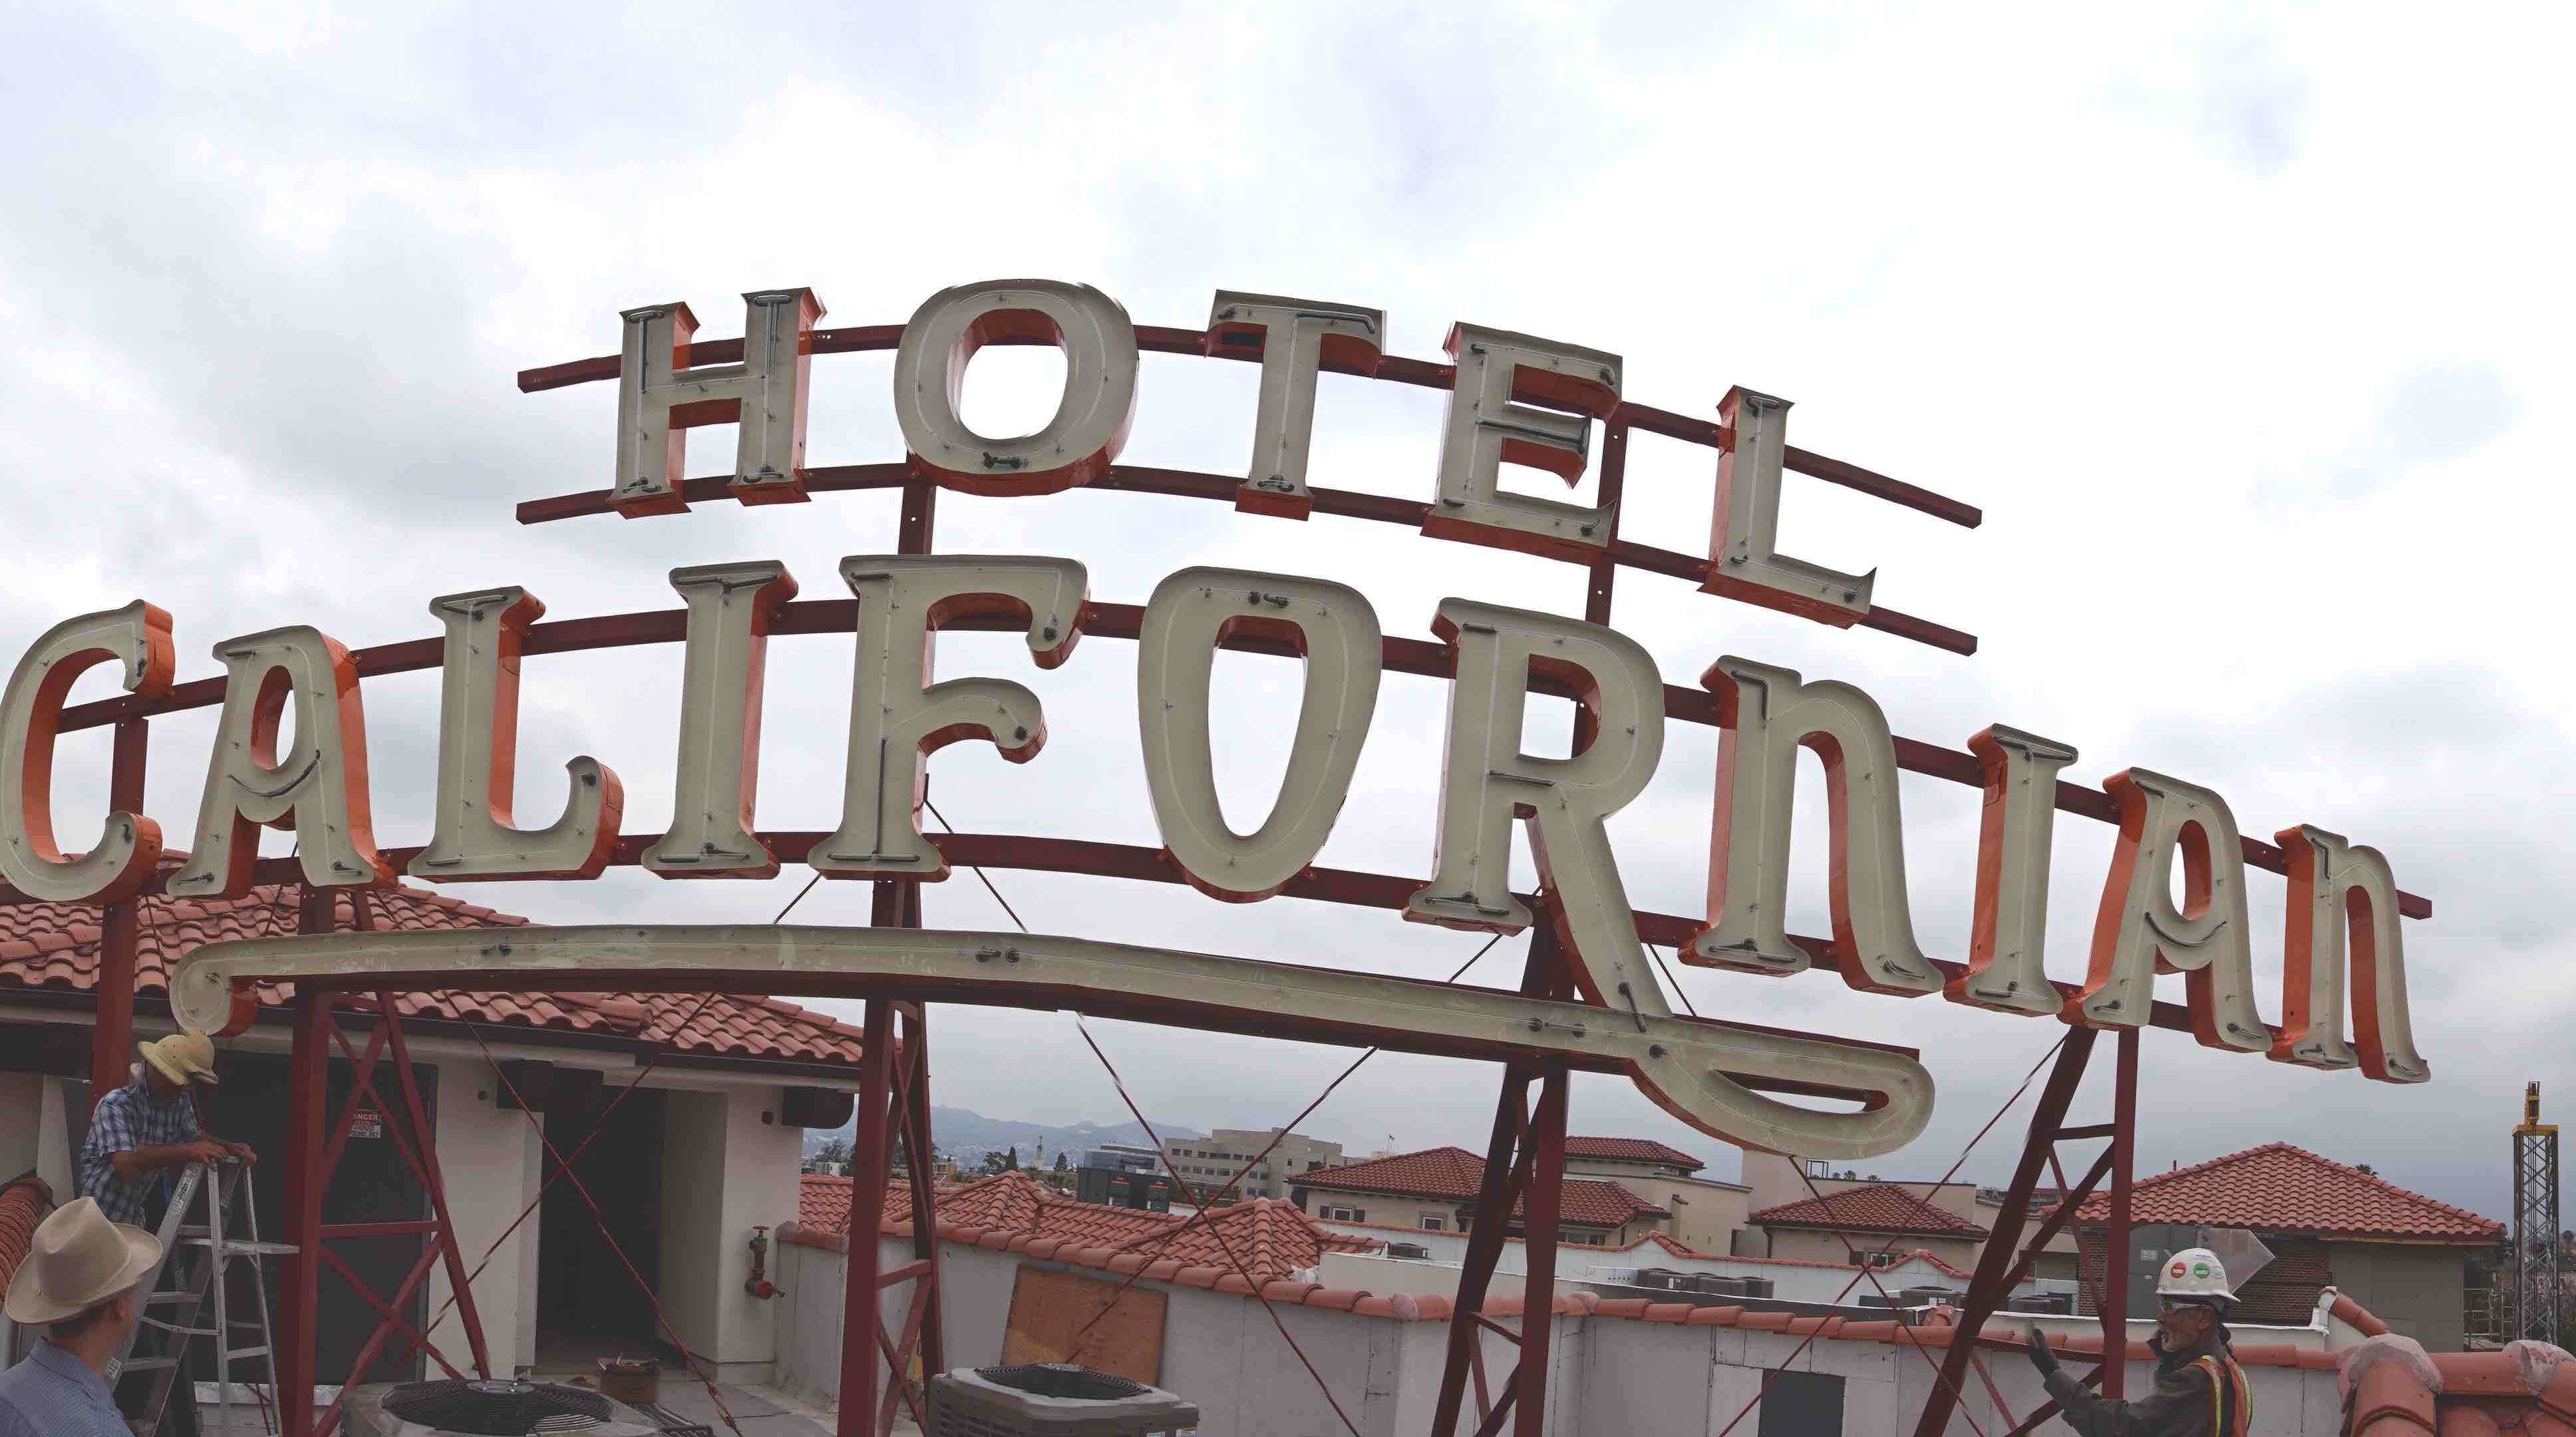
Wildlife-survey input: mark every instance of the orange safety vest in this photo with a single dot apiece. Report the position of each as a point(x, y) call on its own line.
point(2231, 1407)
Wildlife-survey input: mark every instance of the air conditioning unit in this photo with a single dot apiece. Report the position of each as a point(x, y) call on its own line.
point(489, 1409)
point(1662, 1278)
point(1721, 1286)
point(1756, 1286)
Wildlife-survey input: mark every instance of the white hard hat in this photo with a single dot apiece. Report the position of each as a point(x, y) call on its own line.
point(2194, 1273)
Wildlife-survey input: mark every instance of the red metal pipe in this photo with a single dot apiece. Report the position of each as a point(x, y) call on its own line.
point(432, 1178)
point(1539, 1205)
point(120, 928)
point(1423, 373)
point(2115, 1237)
point(308, 1076)
point(861, 1328)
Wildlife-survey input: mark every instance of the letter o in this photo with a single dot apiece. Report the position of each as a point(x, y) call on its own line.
point(1090, 424)
point(1336, 632)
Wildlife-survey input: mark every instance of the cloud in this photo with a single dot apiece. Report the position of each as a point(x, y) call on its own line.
point(2234, 351)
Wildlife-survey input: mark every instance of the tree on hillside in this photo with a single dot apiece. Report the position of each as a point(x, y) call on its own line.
point(829, 1157)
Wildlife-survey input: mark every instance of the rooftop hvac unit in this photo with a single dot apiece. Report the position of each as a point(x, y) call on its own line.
point(1721, 1286)
point(2057, 1302)
point(1925, 1296)
point(1034, 1399)
point(490, 1409)
point(1662, 1278)
point(1755, 1286)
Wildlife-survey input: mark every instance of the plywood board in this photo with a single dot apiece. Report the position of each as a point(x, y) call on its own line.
point(1048, 1309)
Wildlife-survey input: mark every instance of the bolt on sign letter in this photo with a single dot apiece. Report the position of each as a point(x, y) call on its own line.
point(2009, 939)
point(2339, 891)
point(1768, 714)
point(318, 787)
point(1486, 782)
point(658, 400)
point(1744, 560)
point(1336, 632)
point(730, 607)
point(2139, 931)
point(1296, 336)
point(899, 718)
point(478, 758)
point(136, 636)
point(1090, 423)
point(1489, 426)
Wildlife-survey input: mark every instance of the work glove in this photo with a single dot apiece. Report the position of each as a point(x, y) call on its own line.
point(2040, 1356)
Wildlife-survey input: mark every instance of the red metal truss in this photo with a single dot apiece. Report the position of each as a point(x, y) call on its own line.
point(2008, 1258)
point(313, 1152)
point(893, 1110)
point(1524, 1167)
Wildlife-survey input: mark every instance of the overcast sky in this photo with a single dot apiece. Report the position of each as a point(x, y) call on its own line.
point(2249, 336)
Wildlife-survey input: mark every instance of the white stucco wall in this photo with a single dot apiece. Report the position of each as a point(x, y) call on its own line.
point(1791, 1282)
point(1607, 1374)
point(490, 1162)
point(34, 1135)
point(724, 1170)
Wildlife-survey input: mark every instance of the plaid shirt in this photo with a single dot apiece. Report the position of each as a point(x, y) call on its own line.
point(124, 1121)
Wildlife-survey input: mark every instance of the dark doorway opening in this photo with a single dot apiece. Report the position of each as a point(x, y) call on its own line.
point(586, 1299)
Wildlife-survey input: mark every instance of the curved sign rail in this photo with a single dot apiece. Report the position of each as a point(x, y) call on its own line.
point(1703, 1073)
point(1517, 402)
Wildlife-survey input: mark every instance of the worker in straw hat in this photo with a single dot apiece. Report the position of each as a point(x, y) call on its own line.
point(80, 1282)
point(2200, 1391)
point(149, 1127)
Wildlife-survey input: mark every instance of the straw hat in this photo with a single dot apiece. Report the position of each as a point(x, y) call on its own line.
point(184, 1057)
point(77, 1260)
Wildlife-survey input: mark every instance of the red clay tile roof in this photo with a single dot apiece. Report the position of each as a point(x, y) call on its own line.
point(1455, 1175)
point(1877, 1207)
point(2281, 1188)
point(54, 947)
point(1631, 1150)
point(1936, 1330)
point(1271, 1238)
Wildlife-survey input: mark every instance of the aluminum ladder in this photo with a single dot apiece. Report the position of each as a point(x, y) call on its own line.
point(182, 1289)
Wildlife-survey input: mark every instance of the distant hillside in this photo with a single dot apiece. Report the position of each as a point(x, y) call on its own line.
point(967, 1135)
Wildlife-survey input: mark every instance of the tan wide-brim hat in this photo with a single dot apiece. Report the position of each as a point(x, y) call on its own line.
point(184, 1057)
point(77, 1260)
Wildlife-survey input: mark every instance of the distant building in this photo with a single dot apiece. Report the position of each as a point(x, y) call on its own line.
point(1207, 1164)
point(2400, 1254)
point(1871, 1224)
point(1778, 1181)
point(1435, 1191)
point(1707, 1215)
point(1127, 1188)
point(1120, 1158)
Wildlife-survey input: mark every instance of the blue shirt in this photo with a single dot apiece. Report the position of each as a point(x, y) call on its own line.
point(54, 1394)
point(125, 1120)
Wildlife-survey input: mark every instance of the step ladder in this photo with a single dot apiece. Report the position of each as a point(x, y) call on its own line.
point(185, 1294)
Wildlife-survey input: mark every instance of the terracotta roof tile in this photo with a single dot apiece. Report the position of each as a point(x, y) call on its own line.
point(2281, 1188)
point(1877, 1207)
point(1455, 1175)
point(1271, 1238)
point(1630, 1150)
point(55, 947)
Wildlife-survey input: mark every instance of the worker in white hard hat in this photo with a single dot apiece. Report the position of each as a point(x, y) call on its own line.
point(2200, 1391)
